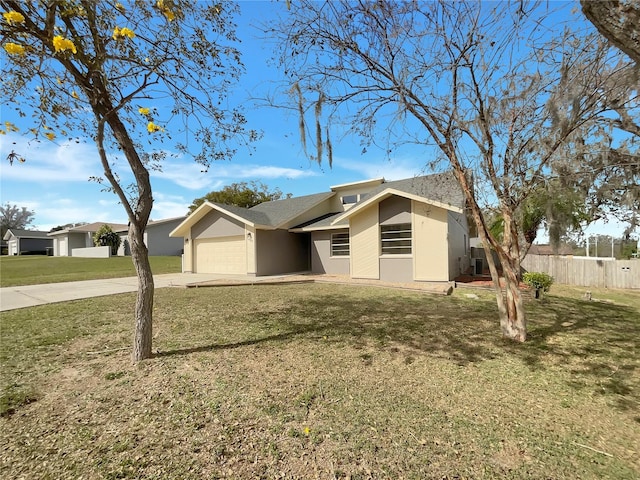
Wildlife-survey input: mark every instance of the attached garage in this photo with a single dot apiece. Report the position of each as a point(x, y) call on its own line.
point(225, 255)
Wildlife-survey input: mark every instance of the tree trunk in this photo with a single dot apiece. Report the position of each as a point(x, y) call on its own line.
point(143, 332)
point(514, 326)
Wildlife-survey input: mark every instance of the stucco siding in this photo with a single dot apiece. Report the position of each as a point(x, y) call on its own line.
point(321, 259)
point(396, 269)
point(159, 242)
point(430, 250)
point(279, 251)
point(395, 210)
point(215, 224)
point(365, 244)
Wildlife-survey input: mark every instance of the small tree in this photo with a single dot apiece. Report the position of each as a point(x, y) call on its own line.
point(126, 75)
point(241, 194)
point(105, 236)
point(12, 216)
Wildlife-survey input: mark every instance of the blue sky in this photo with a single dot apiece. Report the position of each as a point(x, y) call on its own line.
point(54, 180)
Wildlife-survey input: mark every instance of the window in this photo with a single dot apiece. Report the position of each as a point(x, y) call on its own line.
point(349, 199)
point(396, 239)
point(340, 244)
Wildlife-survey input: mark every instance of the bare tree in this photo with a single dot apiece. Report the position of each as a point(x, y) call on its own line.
point(492, 89)
point(126, 75)
point(12, 216)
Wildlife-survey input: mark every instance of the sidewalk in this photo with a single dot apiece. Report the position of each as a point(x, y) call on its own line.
point(12, 298)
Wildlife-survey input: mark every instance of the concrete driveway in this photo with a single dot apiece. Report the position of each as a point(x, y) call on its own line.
point(32, 295)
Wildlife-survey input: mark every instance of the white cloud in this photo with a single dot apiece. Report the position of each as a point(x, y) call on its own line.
point(394, 169)
point(191, 175)
point(48, 161)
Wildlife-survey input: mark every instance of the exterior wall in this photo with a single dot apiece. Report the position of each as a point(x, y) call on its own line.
point(187, 256)
point(252, 266)
point(458, 240)
point(321, 259)
point(365, 244)
point(396, 268)
point(79, 240)
point(279, 251)
point(92, 252)
point(159, 242)
point(395, 210)
point(216, 224)
point(430, 251)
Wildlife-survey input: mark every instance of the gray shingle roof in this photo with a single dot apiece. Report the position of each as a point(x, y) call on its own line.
point(280, 212)
point(18, 233)
point(439, 187)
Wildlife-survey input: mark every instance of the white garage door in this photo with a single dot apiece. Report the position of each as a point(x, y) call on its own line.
point(221, 255)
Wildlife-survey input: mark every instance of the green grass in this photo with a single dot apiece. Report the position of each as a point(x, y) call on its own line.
point(323, 381)
point(32, 270)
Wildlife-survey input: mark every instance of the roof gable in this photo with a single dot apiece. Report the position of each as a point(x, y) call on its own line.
point(440, 189)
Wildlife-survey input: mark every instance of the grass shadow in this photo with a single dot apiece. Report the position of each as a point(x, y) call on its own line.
point(596, 343)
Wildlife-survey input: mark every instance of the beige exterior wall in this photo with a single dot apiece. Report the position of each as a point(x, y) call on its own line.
point(365, 244)
point(216, 224)
point(430, 251)
point(252, 267)
point(336, 200)
point(187, 256)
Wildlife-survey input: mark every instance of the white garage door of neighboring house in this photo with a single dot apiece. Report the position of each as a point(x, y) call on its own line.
point(12, 247)
point(221, 255)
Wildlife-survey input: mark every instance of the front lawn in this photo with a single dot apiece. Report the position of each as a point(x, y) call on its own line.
point(36, 269)
point(322, 381)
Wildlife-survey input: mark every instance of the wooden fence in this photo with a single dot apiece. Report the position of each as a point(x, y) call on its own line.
point(586, 271)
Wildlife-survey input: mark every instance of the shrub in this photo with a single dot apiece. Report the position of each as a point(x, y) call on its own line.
point(106, 236)
point(538, 280)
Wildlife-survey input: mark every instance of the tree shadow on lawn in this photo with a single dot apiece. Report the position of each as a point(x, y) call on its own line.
point(598, 343)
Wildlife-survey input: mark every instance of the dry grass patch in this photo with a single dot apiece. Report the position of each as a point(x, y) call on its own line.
point(322, 381)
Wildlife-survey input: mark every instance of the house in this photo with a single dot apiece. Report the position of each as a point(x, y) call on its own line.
point(29, 242)
point(156, 238)
point(81, 236)
point(406, 230)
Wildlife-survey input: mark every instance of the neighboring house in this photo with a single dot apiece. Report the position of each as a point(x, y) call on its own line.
point(21, 242)
point(156, 238)
point(562, 250)
point(65, 240)
point(406, 230)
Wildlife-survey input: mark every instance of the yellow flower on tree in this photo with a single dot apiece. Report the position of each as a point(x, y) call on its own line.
point(74, 94)
point(120, 7)
point(152, 128)
point(62, 44)
point(11, 127)
point(120, 33)
point(50, 135)
point(144, 110)
point(14, 48)
point(165, 10)
point(13, 17)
